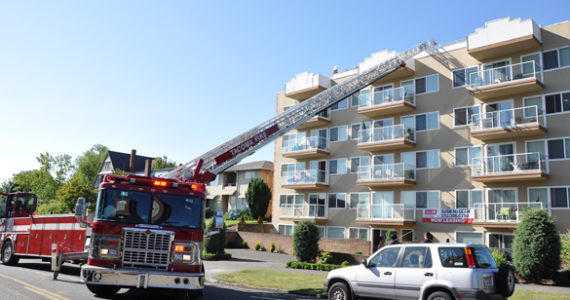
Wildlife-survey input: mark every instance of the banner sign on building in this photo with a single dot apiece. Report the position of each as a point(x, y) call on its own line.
point(449, 216)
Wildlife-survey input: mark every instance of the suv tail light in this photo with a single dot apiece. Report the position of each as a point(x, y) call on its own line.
point(470, 258)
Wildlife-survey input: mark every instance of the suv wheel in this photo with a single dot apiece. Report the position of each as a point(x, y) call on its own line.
point(505, 281)
point(439, 296)
point(339, 291)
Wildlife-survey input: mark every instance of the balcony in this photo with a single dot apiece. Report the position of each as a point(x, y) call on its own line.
point(389, 102)
point(308, 148)
point(386, 138)
point(306, 85)
point(387, 175)
point(408, 69)
point(304, 211)
point(510, 168)
point(522, 78)
point(306, 180)
point(503, 37)
point(509, 124)
point(502, 215)
point(385, 214)
point(321, 120)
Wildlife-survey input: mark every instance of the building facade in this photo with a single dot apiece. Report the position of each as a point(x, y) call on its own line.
point(228, 190)
point(482, 126)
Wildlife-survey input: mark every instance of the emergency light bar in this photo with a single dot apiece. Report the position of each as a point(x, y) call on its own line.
point(162, 182)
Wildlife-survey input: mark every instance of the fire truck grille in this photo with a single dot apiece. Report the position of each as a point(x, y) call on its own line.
point(147, 249)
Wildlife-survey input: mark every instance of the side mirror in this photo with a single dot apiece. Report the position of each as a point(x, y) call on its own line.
point(80, 211)
point(364, 263)
point(219, 222)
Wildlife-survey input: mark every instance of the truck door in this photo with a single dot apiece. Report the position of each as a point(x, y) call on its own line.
point(49, 235)
point(377, 278)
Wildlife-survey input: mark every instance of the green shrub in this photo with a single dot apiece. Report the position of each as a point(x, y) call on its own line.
point(325, 257)
point(258, 196)
point(306, 241)
point(499, 256)
point(358, 252)
point(565, 249)
point(536, 250)
point(257, 246)
point(216, 256)
point(389, 234)
point(209, 213)
point(344, 264)
point(244, 244)
point(242, 219)
point(272, 247)
point(259, 220)
point(310, 266)
point(214, 243)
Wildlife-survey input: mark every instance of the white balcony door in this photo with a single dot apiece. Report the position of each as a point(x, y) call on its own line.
point(383, 166)
point(319, 139)
point(382, 130)
point(383, 95)
point(504, 118)
point(497, 72)
point(383, 205)
point(502, 203)
point(500, 158)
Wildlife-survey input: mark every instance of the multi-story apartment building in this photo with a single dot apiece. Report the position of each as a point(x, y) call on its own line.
point(228, 190)
point(483, 125)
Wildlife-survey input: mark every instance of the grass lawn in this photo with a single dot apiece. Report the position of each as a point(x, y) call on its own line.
point(230, 223)
point(314, 283)
point(275, 279)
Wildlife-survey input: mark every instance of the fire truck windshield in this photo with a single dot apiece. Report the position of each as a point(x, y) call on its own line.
point(134, 207)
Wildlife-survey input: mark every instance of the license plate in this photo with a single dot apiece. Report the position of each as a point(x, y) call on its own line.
point(488, 281)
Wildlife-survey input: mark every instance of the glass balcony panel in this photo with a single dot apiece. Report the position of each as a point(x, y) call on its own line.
point(503, 212)
point(386, 211)
point(386, 134)
point(509, 164)
point(508, 118)
point(505, 74)
point(391, 96)
point(312, 176)
point(308, 143)
point(396, 171)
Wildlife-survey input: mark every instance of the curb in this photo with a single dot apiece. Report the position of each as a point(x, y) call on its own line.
point(314, 295)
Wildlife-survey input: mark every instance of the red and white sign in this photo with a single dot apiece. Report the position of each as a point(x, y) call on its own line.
point(448, 216)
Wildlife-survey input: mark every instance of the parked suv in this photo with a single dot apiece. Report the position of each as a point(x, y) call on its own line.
point(425, 272)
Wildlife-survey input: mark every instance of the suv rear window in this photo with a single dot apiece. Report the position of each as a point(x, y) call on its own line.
point(455, 257)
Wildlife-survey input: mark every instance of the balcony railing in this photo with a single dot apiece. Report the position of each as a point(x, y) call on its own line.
point(512, 164)
point(386, 134)
point(397, 171)
point(304, 210)
point(508, 118)
point(505, 74)
point(310, 143)
point(503, 212)
point(385, 212)
point(312, 176)
point(390, 96)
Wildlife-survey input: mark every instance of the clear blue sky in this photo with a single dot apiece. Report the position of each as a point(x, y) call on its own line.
point(178, 78)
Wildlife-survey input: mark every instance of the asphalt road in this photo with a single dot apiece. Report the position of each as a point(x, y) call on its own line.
point(32, 279)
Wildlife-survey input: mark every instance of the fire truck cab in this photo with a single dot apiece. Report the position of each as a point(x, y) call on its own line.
point(146, 233)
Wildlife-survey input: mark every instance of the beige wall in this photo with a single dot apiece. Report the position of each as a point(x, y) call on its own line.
point(447, 178)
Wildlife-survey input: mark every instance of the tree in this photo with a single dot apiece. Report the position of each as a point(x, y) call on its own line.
point(162, 163)
point(306, 241)
point(536, 250)
point(68, 194)
point(39, 182)
point(214, 243)
point(60, 166)
point(88, 164)
point(257, 196)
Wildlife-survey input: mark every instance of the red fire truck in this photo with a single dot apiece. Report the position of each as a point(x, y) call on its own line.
point(147, 232)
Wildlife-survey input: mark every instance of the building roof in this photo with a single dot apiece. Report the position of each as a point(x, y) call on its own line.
point(121, 160)
point(255, 165)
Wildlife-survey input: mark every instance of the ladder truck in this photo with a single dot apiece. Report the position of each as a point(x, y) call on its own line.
point(148, 232)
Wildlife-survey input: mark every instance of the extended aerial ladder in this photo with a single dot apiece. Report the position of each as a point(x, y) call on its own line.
point(207, 166)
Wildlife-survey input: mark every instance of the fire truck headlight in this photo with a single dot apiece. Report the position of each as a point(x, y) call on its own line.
point(185, 253)
point(106, 246)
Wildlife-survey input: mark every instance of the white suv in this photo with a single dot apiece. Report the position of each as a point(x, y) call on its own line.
point(425, 272)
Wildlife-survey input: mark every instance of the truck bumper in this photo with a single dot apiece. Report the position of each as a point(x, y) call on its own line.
point(142, 278)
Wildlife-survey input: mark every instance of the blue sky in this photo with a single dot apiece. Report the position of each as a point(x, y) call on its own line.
point(178, 78)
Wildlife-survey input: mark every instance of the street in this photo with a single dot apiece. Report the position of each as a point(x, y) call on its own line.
point(32, 279)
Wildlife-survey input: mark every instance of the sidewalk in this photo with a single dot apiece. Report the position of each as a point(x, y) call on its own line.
point(245, 259)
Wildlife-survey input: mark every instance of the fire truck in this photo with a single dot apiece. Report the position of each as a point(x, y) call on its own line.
point(147, 232)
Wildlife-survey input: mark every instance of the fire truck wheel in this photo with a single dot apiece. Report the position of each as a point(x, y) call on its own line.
point(103, 290)
point(8, 257)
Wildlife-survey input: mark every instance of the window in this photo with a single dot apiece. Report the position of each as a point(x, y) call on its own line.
point(356, 128)
point(360, 98)
point(343, 104)
point(555, 197)
point(557, 103)
point(291, 204)
point(468, 198)
point(428, 84)
point(422, 122)
point(286, 229)
point(321, 231)
point(337, 166)
point(339, 134)
point(292, 139)
point(358, 233)
point(385, 258)
point(417, 257)
point(464, 115)
point(464, 155)
point(428, 159)
point(317, 205)
point(249, 175)
point(462, 77)
point(556, 58)
point(407, 235)
point(289, 169)
point(529, 68)
point(359, 199)
point(502, 241)
point(559, 197)
point(337, 200)
point(469, 237)
point(558, 148)
point(533, 101)
point(539, 195)
point(359, 164)
point(335, 232)
point(420, 199)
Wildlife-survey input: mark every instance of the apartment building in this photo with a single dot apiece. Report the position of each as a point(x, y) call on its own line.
point(458, 143)
point(228, 190)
